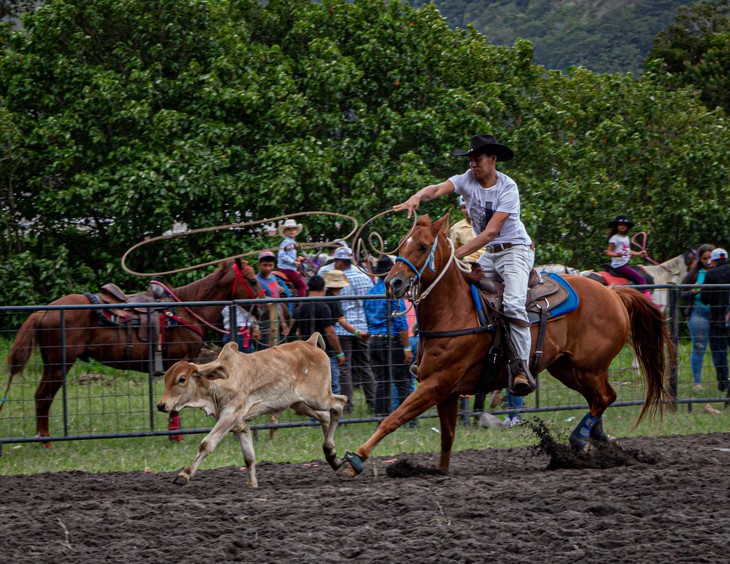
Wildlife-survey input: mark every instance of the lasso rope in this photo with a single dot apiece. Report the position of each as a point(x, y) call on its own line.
point(235, 226)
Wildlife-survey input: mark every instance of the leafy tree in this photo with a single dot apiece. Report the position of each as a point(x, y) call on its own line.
point(695, 50)
point(118, 119)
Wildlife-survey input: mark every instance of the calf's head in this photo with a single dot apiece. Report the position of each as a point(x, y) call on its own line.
point(186, 384)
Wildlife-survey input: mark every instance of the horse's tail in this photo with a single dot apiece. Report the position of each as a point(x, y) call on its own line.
point(25, 342)
point(649, 339)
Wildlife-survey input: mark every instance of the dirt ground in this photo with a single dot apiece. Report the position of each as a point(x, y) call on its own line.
point(664, 500)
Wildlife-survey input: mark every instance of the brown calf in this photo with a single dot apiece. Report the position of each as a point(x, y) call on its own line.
point(236, 388)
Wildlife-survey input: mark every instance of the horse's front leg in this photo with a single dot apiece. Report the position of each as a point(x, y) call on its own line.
point(224, 425)
point(448, 411)
point(424, 397)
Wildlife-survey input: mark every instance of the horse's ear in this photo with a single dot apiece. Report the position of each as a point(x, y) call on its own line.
point(442, 225)
point(424, 220)
point(237, 262)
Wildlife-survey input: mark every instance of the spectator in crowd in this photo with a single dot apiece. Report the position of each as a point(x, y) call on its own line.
point(276, 318)
point(317, 316)
point(462, 232)
point(356, 369)
point(493, 201)
point(698, 313)
point(719, 301)
point(514, 403)
point(288, 259)
point(388, 345)
point(334, 281)
point(247, 329)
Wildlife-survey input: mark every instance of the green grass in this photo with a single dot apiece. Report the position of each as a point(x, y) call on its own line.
point(104, 400)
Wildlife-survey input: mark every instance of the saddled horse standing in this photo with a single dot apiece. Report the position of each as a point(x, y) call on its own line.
point(116, 343)
point(578, 347)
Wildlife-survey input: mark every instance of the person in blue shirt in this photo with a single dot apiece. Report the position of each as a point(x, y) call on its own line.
point(389, 345)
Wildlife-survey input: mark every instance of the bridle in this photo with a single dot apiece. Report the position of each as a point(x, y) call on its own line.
point(429, 263)
point(238, 279)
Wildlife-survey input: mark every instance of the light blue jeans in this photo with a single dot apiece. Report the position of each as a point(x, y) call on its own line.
point(514, 266)
point(699, 331)
point(514, 402)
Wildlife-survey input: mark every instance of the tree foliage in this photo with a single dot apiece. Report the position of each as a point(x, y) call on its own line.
point(118, 119)
point(695, 50)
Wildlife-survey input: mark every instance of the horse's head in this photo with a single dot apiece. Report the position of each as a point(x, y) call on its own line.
point(417, 256)
point(245, 284)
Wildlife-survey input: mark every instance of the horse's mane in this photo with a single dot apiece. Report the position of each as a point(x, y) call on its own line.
point(207, 282)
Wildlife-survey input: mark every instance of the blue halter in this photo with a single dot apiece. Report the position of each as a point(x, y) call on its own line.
point(429, 261)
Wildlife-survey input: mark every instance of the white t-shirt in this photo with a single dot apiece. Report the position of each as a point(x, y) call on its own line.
point(481, 203)
point(623, 246)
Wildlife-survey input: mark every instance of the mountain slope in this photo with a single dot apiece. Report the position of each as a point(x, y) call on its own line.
point(601, 35)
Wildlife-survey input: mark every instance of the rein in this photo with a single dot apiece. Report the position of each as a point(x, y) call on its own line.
point(642, 245)
point(422, 295)
point(239, 279)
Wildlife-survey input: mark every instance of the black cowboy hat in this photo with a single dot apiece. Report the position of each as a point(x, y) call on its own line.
point(383, 266)
point(486, 144)
point(621, 219)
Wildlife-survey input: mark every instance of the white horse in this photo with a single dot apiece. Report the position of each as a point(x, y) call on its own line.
point(672, 271)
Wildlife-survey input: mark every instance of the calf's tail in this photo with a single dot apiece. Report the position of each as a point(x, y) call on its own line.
point(318, 340)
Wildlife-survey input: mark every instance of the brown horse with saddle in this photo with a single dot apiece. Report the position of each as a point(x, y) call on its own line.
point(459, 330)
point(122, 337)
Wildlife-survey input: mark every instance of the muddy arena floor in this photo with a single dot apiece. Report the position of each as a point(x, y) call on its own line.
point(666, 500)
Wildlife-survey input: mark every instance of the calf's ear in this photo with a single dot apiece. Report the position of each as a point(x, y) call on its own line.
point(218, 372)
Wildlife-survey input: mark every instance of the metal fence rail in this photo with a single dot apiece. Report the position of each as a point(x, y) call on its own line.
point(99, 401)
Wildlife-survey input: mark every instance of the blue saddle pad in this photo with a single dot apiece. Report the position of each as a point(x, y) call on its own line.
point(572, 301)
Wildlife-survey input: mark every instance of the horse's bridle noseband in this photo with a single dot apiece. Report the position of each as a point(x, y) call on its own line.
point(430, 263)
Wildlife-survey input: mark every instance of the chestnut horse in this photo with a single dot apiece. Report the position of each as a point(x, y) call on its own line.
point(117, 346)
point(578, 347)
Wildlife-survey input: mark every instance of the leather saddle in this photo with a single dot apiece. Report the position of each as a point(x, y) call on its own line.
point(145, 320)
point(544, 295)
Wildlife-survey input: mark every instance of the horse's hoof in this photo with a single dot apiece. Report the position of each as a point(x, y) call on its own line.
point(47, 445)
point(181, 480)
point(346, 471)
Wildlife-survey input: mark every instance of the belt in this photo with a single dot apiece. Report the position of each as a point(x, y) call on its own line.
point(491, 249)
point(382, 336)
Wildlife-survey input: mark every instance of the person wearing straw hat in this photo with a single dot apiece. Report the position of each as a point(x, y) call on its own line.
point(493, 203)
point(288, 259)
point(334, 282)
point(389, 345)
point(354, 337)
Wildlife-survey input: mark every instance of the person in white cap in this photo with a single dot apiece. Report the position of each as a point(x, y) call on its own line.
point(719, 301)
point(493, 203)
point(288, 258)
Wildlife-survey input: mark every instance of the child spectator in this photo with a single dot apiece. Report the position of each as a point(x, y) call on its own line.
point(288, 261)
